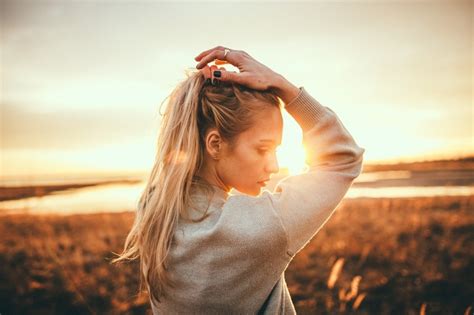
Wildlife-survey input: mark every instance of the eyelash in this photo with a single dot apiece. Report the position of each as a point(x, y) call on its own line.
point(263, 151)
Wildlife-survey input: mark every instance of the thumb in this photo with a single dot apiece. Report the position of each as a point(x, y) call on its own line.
point(229, 76)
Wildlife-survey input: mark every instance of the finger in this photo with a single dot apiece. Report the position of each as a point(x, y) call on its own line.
point(213, 68)
point(218, 54)
point(206, 71)
point(198, 57)
point(221, 62)
point(207, 59)
point(231, 76)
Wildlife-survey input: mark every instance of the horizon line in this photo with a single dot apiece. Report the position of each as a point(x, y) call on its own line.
point(124, 173)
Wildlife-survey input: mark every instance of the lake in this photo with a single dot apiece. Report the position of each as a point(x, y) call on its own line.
point(124, 197)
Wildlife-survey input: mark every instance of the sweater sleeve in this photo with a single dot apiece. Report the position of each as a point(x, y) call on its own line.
point(306, 201)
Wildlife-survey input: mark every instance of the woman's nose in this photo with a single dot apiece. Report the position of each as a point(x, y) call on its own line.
point(272, 165)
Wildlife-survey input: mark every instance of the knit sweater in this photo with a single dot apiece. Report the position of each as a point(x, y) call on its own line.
point(233, 262)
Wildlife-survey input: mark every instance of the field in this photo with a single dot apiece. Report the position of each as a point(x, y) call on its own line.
point(374, 256)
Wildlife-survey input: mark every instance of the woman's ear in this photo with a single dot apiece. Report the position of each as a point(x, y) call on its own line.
point(213, 143)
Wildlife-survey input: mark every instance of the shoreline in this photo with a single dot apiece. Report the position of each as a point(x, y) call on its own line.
point(21, 192)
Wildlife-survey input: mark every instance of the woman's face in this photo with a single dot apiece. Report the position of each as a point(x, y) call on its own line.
point(253, 158)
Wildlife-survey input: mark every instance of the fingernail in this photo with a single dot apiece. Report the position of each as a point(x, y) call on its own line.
point(217, 74)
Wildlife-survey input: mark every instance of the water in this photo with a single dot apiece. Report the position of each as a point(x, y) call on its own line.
point(107, 198)
point(124, 197)
point(410, 191)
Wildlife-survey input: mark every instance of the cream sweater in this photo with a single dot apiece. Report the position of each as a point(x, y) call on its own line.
point(234, 261)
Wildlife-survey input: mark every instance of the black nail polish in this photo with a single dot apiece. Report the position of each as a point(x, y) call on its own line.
point(217, 74)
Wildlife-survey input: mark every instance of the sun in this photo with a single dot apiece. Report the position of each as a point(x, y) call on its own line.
point(291, 154)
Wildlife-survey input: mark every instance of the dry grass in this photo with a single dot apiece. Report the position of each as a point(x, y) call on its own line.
point(375, 256)
point(60, 265)
point(408, 252)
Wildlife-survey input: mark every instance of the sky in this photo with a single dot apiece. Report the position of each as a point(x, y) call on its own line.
point(82, 81)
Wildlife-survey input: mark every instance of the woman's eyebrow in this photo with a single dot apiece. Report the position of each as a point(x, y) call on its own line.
point(268, 140)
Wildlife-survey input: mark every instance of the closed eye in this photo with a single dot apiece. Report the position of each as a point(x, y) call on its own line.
point(263, 151)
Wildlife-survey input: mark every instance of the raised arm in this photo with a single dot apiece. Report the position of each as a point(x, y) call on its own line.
point(306, 201)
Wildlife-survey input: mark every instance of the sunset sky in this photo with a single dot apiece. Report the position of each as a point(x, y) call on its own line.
point(82, 81)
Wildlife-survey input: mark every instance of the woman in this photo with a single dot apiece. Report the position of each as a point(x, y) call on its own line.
point(204, 251)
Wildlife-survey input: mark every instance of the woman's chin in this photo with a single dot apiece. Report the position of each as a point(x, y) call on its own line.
point(254, 191)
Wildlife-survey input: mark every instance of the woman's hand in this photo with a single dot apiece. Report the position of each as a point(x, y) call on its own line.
point(253, 74)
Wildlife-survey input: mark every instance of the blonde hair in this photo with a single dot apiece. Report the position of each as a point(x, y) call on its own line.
point(193, 107)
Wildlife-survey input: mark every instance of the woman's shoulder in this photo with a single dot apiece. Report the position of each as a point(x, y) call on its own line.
point(253, 216)
point(258, 206)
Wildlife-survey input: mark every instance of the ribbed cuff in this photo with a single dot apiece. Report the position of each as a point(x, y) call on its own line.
point(305, 109)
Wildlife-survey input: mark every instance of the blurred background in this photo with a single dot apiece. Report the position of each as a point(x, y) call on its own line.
point(81, 87)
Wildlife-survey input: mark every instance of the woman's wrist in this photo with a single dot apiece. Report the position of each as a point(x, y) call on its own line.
point(284, 89)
